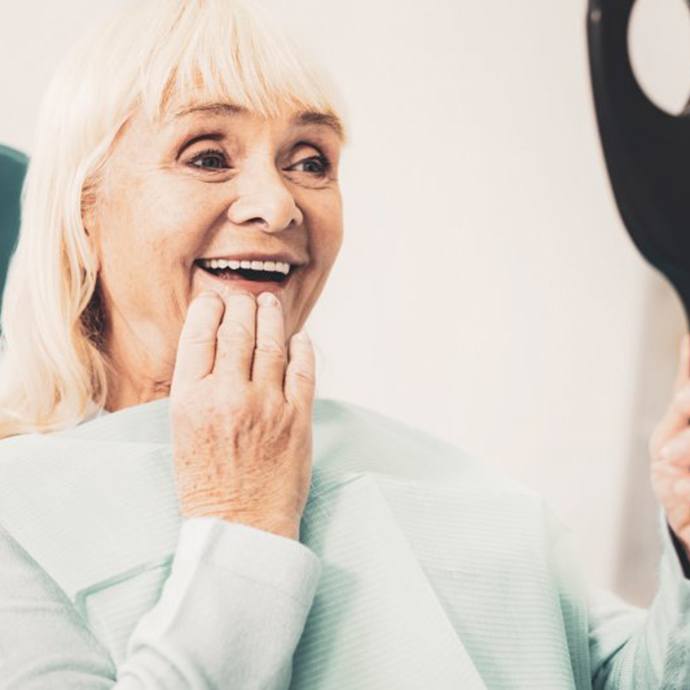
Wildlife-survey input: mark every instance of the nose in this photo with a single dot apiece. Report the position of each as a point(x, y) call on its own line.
point(263, 198)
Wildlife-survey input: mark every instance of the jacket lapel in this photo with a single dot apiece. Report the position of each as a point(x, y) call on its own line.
point(111, 506)
point(375, 622)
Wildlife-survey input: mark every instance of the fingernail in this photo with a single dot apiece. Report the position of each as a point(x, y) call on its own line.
point(267, 299)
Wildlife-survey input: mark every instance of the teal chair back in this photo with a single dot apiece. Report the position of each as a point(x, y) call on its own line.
point(13, 166)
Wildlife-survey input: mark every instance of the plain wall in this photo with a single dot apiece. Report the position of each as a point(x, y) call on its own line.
point(486, 290)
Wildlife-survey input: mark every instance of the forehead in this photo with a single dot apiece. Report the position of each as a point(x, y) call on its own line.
point(294, 118)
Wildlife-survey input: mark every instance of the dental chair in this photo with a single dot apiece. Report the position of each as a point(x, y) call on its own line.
point(13, 166)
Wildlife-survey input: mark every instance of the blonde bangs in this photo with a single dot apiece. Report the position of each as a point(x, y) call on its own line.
point(225, 51)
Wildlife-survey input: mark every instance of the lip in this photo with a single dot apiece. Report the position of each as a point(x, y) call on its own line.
point(283, 257)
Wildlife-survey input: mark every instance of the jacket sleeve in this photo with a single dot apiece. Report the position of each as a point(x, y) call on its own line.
point(634, 648)
point(230, 615)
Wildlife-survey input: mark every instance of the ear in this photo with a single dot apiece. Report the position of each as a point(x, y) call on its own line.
point(89, 225)
point(89, 220)
point(88, 214)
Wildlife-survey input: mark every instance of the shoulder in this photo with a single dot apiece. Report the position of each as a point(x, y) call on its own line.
point(36, 448)
point(23, 446)
point(348, 436)
point(438, 492)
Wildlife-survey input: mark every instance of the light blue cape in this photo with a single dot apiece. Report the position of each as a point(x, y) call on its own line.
point(436, 569)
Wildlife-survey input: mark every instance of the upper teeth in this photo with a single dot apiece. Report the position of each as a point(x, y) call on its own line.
point(279, 266)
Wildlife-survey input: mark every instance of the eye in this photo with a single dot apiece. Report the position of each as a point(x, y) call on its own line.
point(315, 165)
point(211, 159)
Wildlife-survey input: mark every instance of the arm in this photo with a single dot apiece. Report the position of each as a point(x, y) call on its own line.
point(628, 647)
point(632, 648)
point(230, 615)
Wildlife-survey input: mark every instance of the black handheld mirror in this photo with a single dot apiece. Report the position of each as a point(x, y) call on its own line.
point(647, 150)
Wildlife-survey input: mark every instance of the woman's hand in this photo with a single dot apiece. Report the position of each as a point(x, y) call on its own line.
point(670, 451)
point(241, 413)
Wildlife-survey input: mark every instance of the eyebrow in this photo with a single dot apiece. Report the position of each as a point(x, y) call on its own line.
point(305, 117)
point(313, 117)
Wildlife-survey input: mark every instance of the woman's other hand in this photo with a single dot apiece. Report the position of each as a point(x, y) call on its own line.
point(241, 413)
point(670, 451)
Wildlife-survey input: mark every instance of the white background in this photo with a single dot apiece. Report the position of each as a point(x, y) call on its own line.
point(486, 290)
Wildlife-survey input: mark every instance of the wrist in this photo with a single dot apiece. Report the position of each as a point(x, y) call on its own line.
point(277, 524)
point(282, 527)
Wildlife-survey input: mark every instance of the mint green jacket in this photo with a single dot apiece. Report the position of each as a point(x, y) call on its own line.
point(417, 569)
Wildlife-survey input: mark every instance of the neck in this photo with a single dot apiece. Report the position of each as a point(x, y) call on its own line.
point(126, 394)
point(141, 371)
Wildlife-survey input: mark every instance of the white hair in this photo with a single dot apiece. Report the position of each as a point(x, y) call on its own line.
point(157, 55)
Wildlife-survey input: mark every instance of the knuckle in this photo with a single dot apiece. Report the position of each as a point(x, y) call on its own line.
point(304, 375)
point(201, 317)
point(196, 336)
point(236, 331)
point(299, 420)
point(231, 407)
point(271, 346)
point(207, 304)
point(272, 407)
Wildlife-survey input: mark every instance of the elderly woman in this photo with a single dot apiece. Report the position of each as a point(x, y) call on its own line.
point(178, 511)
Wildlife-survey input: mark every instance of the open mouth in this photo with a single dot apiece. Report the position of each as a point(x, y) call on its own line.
point(261, 275)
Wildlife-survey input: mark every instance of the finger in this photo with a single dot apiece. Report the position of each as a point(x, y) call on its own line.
point(676, 451)
point(664, 478)
point(673, 422)
point(300, 375)
point(235, 346)
point(681, 486)
point(197, 344)
point(677, 415)
point(270, 354)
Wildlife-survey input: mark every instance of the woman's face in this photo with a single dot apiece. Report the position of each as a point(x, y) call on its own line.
point(216, 182)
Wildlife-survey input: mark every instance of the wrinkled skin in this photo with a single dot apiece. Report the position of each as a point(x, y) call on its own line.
point(213, 183)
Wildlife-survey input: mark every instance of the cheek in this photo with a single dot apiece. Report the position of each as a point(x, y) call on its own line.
point(326, 224)
point(146, 258)
point(155, 228)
